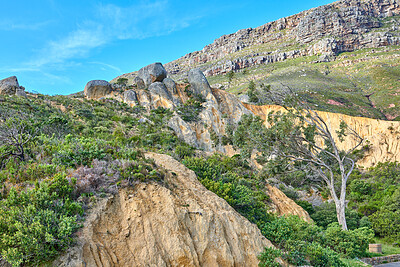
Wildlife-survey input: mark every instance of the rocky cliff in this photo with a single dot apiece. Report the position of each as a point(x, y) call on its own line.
point(382, 137)
point(346, 25)
point(179, 223)
point(221, 109)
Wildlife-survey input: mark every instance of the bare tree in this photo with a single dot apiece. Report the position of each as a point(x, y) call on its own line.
point(15, 133)
point(301, 134)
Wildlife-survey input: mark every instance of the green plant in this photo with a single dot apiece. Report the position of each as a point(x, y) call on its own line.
point(268, 257)
point(38, 224)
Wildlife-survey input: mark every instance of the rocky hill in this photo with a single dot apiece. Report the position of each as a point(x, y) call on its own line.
point(343, 57)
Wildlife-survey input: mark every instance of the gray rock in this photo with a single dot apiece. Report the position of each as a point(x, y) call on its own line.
point(199, 83)
point(171, 86)
point(20, 92)
point(139, 83)
point(130, 97)
point(152, 73)
point(9, 86)
point(97, 88)
point(160, 96)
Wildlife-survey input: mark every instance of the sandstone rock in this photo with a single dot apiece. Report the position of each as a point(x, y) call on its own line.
point(183, 224)
point(130, 98)
point(144, 98)
point(160, 96)
point(282, 205)
point(9, 86)
point(97, 88)
point(171, 87)
point(184, 131)
point(139, 83)
point(20, 92)
point(152, 73)
point(199, 84)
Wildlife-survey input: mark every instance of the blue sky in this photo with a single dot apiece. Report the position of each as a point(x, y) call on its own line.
point(56, 47)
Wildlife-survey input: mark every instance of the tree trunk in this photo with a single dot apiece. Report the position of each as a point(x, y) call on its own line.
point(340, 212)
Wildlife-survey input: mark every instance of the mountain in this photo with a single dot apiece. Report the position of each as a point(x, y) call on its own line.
point(343, 57)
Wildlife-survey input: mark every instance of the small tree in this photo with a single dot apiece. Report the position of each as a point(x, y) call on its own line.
point(300, 135)
point(230, 76)
point(15, 133)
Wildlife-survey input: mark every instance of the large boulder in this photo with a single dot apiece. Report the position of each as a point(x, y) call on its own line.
point(130, 98)
point(139, 83)
point(152, 73)
point(171, 87)
point(9, 86)
point(199, 84)
point(160, 96)
point(97, 88)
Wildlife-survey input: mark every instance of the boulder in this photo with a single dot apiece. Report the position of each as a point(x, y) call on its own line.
point(171, 87)
point(152, 73)
point(97, 88)
point(199, 83)
point(160, 96)
point(139, 83)
point(130, 98)
point(9, 86)
point(20, 92)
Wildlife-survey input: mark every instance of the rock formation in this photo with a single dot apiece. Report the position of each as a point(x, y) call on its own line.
point(10, 86)
point(345, 25)
point(152, 73)
point(96, 89)
point(221, 109)
point(180, 223)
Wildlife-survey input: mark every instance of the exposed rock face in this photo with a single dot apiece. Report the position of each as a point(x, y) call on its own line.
point(182, 224)
point(10, 86)
point(283, 205)
point(130, 98)
point(355, 24)
point(160, 96)
point(383, 136)
point(139, 83)
point(152, 73)
point(199, 83)
point(97, 88)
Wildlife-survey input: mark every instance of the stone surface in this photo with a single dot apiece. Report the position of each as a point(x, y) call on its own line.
point(139, 83)
point(160, 96)
point(282, 205)
point(383, 136)
point(354, 23)
point(152, 73)
point(9, 86)
point(97, 88)
point(182, 224)
point(130, 98)
point(199, 84)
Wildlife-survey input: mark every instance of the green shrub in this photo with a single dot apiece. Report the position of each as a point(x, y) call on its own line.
point(326, 214)
point(351, 243)
point(190, 110)
point(268, 257)
point(35, 225)
point(182, 151)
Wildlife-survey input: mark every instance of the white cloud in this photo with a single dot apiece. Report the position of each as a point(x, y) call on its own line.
point(11, 25)
point(110, 23)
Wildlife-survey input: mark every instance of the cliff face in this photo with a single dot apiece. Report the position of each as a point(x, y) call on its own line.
point(177, 224)
point(383, 137)
point(345, 25)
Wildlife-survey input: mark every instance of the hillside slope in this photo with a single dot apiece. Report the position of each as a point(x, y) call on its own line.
point(343, 57)
point(182, 224)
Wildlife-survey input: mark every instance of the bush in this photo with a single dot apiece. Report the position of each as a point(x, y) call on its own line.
point(268, 256)
point(37, 224)
point(351, 243)
point(326, 214)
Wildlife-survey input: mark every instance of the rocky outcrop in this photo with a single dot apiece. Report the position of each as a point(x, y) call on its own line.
point(199, 84)
point(180, 223)
point(10, 86)
point(382, 137)
point(282, 205)
point(152, 73)
point(345, 25)
point(96, 89)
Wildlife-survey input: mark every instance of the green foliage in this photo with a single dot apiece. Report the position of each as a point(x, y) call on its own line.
point(252, 93)
point(268, 256)
point(141, 171)
point(38, 224)
point(326, 214)
point(122, 81)
point(183, 151)
point(232, 180)
point(190, 110)
point(351, 243)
